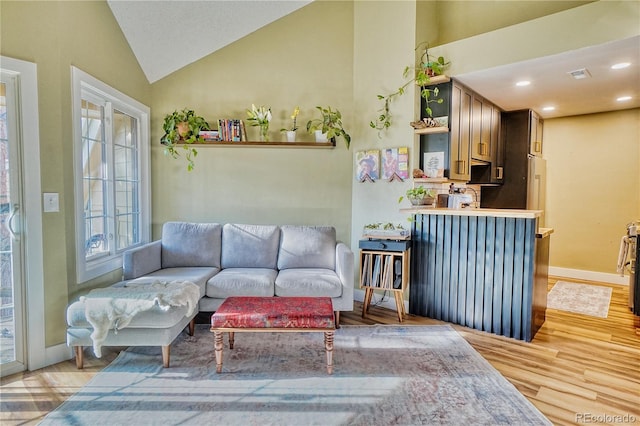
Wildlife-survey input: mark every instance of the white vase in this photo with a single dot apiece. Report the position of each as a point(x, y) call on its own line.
point(321, 137)
point(291, 135)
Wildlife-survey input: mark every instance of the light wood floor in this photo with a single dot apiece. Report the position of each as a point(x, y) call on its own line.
point(576, 369)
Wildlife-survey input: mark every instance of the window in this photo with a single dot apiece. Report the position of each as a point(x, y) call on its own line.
point(111, 175)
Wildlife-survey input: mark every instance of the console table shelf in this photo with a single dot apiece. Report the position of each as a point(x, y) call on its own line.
point(384, 270)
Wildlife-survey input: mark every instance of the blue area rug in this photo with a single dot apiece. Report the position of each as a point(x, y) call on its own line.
point(383, 375)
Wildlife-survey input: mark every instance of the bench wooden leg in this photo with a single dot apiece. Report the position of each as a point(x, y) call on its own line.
point(328, 345)
point(336, 314)
point(192, 327)
point(166, 356)
point(218, 349)
point(79, 350)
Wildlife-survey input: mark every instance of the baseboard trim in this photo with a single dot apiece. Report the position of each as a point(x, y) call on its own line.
point(57, 353)
point(580, 274)
point(389, 301)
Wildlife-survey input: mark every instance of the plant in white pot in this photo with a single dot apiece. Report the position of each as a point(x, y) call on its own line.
point(183, 127)
point(291, 131)
point(330, 125)
point(419, 196)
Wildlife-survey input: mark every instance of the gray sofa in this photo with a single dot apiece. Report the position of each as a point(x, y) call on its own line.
point(227, 260)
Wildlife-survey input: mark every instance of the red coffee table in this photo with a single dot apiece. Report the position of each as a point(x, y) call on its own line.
point(274, 314)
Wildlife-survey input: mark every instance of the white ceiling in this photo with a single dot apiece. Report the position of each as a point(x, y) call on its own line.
point(168, 35)
point(552, 85)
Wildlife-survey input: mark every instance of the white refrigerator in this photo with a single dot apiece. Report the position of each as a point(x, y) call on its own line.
point(536, 185)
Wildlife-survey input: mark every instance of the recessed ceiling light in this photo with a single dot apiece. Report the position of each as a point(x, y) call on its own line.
point(620, 65)
point(523, 83)
point(548, 108)
point(623, 98)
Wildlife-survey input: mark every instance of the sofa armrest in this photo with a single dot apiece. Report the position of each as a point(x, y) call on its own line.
point(345, 269)
point(142, 260)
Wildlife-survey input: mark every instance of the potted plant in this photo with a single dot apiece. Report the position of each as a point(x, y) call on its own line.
point(419, 74)
point(183, 127)
point(419, 196)
point(291, 132)
point(329, 125)
point(260, 117)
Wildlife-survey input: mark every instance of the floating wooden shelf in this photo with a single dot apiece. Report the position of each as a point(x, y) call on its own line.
point(428, 130)
point(437, 79)
point(264, 144)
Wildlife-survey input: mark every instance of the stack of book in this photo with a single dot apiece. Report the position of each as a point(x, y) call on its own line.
point(231, 130)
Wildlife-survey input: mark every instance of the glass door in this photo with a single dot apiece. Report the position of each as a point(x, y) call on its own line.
point(11, 247)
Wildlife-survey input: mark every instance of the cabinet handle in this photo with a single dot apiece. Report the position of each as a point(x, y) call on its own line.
point(462, 166)
point(538, 146)
point(483, 150)
point(498, 172)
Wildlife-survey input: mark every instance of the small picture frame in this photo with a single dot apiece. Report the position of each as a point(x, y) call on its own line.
point(433, 164)
point(395, 162)
point(368, 165)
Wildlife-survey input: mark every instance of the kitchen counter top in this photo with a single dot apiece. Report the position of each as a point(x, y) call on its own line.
point(524, 214)
point(544, 232)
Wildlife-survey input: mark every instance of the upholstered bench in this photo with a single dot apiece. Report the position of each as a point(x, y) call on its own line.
point(132, 314)
point(273, 314)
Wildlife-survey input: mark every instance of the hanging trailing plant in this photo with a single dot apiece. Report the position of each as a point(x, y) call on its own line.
point(183, 127)
point(419, 74)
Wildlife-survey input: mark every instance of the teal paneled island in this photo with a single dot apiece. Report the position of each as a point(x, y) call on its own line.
point(483, 268)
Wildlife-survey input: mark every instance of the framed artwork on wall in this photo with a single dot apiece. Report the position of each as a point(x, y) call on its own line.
point(368, 165)
point(395, 163)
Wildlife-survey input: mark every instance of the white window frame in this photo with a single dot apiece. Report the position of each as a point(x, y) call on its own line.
point(83, 83)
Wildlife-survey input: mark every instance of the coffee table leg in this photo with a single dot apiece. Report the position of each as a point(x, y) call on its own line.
point(231, 339)
point(328, 345)
point(218, 350)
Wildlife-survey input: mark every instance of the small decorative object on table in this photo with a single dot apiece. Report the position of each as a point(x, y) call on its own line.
point(260, 117)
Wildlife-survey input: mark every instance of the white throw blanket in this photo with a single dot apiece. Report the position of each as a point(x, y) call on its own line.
point(114, 307)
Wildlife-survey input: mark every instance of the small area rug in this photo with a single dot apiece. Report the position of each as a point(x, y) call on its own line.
point(383, 375)
point(583, 299)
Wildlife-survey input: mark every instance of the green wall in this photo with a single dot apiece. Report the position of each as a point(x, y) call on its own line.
point(56, 35)
point(304, 59)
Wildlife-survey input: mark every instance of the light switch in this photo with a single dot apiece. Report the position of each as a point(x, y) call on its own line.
point(50, 202)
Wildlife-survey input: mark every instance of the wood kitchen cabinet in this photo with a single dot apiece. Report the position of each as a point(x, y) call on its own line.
point(474, 137)
point(484, 130)
point(456, 142)
point(519, 130)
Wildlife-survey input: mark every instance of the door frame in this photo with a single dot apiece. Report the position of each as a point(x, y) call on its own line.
point(31, 227)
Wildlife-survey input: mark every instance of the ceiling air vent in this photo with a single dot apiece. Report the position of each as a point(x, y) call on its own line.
point(580, 74)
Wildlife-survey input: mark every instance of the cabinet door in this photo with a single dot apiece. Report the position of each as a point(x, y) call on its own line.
point(535, 129)
point(485, 132)
point(459, 167)
point(476, 127)
point(497, 147)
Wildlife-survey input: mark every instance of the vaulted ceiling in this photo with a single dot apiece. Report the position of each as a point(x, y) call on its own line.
point(165, 36)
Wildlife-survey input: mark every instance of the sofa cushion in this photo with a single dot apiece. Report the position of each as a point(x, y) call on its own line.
point(197, 275)
point(311, 282)
point(191, 244)
point(307, 247)
point(242, 282)
point(250, 246)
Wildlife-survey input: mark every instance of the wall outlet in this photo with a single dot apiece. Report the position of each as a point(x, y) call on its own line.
point(50, 202)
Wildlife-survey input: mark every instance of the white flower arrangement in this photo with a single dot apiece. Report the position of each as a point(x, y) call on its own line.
point(259, 116)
